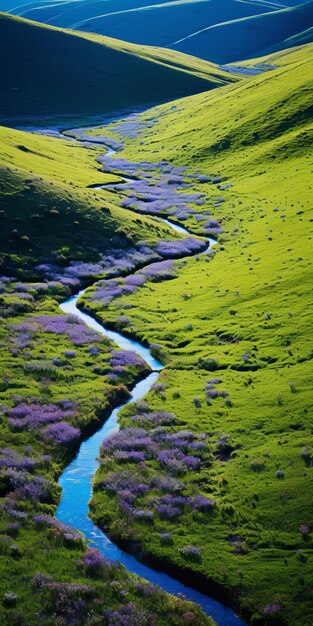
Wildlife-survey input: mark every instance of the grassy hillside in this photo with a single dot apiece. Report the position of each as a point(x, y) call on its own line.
point(51, 71)
point(112, 16)
point(56, 384)
point(234, 331)
point(251, 36)
point(49, 215)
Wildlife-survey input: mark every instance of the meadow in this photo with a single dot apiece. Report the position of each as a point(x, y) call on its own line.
point(210, 475)
point(212, 472)
point(59, 381)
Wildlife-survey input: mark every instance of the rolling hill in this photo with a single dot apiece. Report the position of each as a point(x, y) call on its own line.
point(251, 36)
point(165, 22)
point(234, 333)
point(153, 22)
point(52, 71)
point(49, 212)
point(56, 234)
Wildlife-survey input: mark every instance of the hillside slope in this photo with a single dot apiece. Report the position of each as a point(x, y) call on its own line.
point(51, 71)
point(159, 24)
point(155, 22)
point(57, 378)
point(248, 37)
point(234, 331)
point(51, 215)
point(151, 22)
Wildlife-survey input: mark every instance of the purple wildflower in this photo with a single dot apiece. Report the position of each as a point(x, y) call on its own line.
point(61, 434)
point(272, 609)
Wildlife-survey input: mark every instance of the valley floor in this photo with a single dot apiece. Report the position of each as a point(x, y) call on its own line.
point(210, 473)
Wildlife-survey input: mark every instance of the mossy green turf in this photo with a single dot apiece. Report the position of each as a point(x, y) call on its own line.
point(77, 380)
point(48, 212)
point(83, 380)
point(244, 315)
point(39, 175)
point(54, 71)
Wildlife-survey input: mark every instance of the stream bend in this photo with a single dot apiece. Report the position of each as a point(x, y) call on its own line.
point(76, 480)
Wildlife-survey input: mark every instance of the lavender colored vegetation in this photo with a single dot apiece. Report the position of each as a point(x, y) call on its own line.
point(35, 415)
point(164, 455)
point(160, 193)
point(126, 358)
point(61, 434)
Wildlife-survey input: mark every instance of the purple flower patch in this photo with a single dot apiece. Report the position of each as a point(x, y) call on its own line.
point(69, 325)
point(36, 415)
point(126, 358)
point(182, 247)
point(191, 553)
point(201, 503)
point(61, 434)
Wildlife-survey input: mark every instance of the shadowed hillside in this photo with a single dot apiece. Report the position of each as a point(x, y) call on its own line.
point(153, 23)
point(49, 213)
point(51, 71)
point(251, 36)
point(164, 22)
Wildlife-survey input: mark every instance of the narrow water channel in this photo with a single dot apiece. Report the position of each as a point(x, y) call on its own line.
point(76, 480)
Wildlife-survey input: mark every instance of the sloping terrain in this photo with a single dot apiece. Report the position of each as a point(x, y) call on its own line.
point(51, 71)
point(251, 36)
point(211, 473)
point(234, 332)
point(163, 23)
point(157, 23)
point(49, 213)
point(151, 22)
point(56, 385)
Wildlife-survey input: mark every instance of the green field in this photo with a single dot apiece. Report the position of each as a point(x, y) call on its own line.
point(241, 318)
point(49, 213)
point(52, 369)
point(210, 475)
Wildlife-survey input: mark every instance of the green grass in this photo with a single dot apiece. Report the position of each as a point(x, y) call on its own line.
point(50, 214)
point(40, 549)
point(59, 72)
point(242, 317)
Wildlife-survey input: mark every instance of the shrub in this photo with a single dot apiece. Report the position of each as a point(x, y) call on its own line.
point(191, 553)
point(280, 474)
point(307, 457)
point(70, 354)
point(166, 539)
point(40, 368)
point(61, 433)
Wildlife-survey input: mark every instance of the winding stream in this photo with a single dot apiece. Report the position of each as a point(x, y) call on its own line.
point(76, 480)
